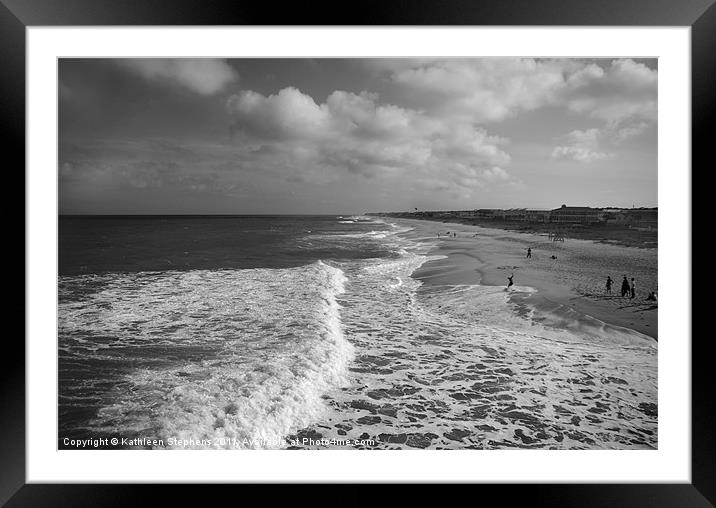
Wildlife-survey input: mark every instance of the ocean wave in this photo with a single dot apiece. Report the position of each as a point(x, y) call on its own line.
point(366, 234)
point(250, 352)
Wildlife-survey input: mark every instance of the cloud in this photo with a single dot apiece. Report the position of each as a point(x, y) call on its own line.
point(629, 131)
point(483, 90)
point(495, 174)
point(288, 114)
point(582, 146)
point(625, 93)
point(621, 93)
point(435, 132)
point(205, 76)
point(291, 132)
point(146, 164)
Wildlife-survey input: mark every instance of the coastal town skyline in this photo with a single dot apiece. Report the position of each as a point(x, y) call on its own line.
point(545, 208)
point(324, 136)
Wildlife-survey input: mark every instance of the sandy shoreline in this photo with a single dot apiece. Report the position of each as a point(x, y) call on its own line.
point(574, 281)
point(613, 234)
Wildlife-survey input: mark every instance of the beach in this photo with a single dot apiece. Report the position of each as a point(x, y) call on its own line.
point(348, 332)
point(575, 280)
point(446, 357)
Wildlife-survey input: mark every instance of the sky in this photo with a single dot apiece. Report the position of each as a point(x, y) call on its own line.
point(348, 136)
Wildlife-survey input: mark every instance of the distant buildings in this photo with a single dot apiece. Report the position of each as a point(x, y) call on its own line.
point(538, 215)
point(514, 214)
point(637, 218)
point(487, 213)
point(576, 215)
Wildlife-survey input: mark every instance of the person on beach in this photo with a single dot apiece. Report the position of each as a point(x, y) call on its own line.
point(609, 285)
point(625, 286)
point(529, 252)
point(510, 281)
point(633, 288)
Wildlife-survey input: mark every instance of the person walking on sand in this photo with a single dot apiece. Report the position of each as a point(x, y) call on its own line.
point(529, 252)
point(633, 288)
point(510, 281)
point(625, 286)
point(609, 285)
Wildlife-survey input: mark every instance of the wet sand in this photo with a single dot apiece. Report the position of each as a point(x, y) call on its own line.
point(575, 281)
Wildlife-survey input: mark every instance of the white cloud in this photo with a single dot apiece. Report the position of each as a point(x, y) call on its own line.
point(630, 131)
point(205, 76)
point(355, 133)
point(495, 174)
point(289, 114)
point(482, 90)
point(623, 96)
point(621, 93)
point(581, 146)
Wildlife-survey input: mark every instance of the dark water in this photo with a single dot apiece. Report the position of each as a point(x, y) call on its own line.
point(147, 300)
point(93, 245)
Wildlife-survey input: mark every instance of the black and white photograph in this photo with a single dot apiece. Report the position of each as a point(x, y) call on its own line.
point(357, 253)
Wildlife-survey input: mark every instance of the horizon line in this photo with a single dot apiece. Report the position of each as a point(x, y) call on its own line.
point(327, 214)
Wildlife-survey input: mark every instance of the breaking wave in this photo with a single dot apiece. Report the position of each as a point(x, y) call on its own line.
point(249, 353)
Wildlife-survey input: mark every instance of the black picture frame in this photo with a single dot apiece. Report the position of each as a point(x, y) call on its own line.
point(700, 15)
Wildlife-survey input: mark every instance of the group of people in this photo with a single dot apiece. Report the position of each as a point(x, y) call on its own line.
point(628, 288)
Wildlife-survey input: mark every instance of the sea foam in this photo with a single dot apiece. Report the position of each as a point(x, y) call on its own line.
point(248, 353)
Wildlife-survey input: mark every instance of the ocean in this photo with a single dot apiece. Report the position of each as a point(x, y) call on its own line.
point(309, 332)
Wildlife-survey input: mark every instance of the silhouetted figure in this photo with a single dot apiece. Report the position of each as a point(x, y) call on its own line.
point(651, 297)
point(553, 256)
point(609, 285)
point(625, 286)
point(633, 288)
point(529, 252)
point(510, 281)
